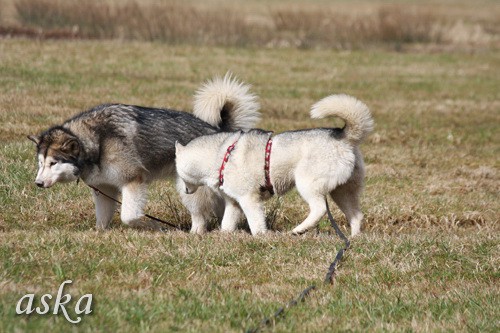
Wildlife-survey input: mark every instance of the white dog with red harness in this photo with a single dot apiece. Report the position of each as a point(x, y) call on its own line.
point(249, 167)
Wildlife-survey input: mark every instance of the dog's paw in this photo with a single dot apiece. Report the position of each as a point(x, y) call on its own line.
point(355, 232)
point(355, 229)
point(198, 230)
point(259, 232)
point(298, 231)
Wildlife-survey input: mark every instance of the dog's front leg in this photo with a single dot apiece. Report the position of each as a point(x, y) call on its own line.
point(198, 224)
point(196, 205)
point(104, 207)
point(201, 205)
point(232, 215)
point(254, 211)
point(134, 197)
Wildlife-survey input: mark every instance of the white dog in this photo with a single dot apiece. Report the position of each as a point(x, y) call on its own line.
point(248, 167)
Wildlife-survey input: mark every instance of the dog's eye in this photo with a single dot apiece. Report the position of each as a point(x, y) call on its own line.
point(52, 163)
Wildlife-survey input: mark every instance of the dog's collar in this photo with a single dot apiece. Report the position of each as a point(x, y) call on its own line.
point(267, 163)
point(224, 161)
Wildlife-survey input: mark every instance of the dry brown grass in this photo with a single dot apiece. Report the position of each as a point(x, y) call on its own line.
point(172, 22)
point(300, 24)
point(389, 24)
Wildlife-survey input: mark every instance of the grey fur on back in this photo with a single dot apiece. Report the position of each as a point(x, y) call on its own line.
point(150, 133)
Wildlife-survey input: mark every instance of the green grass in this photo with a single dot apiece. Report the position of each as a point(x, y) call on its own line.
point(427, 259)
point(172, 281)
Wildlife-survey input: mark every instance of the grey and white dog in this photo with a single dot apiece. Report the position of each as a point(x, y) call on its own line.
point(247, 167)
point(122, 148)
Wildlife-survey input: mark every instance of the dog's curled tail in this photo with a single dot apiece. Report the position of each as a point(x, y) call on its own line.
point(357, 116)
point(227, 104)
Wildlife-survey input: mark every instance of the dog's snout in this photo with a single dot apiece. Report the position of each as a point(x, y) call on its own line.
point(39, 183)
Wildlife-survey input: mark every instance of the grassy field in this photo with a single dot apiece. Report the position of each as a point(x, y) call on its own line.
point(427, 259)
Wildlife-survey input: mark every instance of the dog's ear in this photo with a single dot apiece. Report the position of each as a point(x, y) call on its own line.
point(178, 147)
point(71, 147)
point(34, 138)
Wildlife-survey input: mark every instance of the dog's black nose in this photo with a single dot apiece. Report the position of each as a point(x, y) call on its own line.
point(39, 183)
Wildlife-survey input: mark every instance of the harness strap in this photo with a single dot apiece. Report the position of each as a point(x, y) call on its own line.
point(267, 164)
point(224, 161)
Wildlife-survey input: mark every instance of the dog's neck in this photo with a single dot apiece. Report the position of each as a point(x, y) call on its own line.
point(210, 157)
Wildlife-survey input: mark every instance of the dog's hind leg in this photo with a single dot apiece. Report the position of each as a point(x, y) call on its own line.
point(310, 191)
point(232, 215)
point(346, 197)
point(317, 210)
point(254, 211)
point(104, 207)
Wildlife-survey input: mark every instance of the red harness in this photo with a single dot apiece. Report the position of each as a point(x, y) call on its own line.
point(267, 163)
point(224, 161)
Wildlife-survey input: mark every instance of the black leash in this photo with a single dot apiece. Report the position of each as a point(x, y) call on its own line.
point(328, 279)
point(281, 311)
point(331, 271)
point(147, 215)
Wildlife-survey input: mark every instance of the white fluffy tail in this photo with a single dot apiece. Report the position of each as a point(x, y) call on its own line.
point(357, 116)
point(227, 104)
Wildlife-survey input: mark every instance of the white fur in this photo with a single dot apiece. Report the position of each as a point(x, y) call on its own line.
point(104, 207)
point(51, 171)
point(355, 113)
point(319, 162)
point(216, 93)
point(200, 205)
